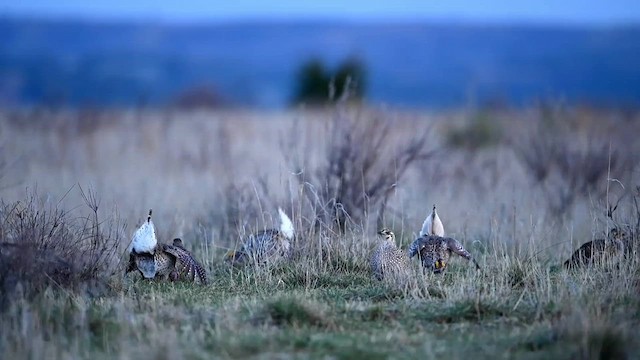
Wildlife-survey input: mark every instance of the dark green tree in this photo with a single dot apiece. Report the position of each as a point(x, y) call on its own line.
point(350, 79)
point(312, 83)
point(316, 85)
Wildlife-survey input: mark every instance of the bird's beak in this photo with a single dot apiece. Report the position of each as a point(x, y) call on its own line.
point(380, 232)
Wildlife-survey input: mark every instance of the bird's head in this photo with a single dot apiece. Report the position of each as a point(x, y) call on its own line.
point(229, 256)
point(616, 233)
point(233, 257)
point(387, 234)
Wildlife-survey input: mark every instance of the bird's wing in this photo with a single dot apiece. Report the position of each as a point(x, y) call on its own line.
point(261, 246)
point(581, 255)
point(186, 265)
point(375, 263)
point(401, 257)
point(415, 246)
point(132, 263)
point(261, 243)
point(455, 246)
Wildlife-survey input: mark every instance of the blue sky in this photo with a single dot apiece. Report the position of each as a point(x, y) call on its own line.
point(555, 11)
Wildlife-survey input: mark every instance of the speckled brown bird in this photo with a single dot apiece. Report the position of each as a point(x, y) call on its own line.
point(599, 250)
point(387, 259)
point(434, 252)
point(270, 246)
point(163, 261)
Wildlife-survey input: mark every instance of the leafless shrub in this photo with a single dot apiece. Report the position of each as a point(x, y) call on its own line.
point(482, 131)
point(42, 245)
point(362, 161)
point(571, 157)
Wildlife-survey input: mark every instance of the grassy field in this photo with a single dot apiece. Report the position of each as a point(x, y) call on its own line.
point(520, 190)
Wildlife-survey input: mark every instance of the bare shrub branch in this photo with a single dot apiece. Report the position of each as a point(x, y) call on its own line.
point(43, 245)
point(571, 156)
point(363, 159)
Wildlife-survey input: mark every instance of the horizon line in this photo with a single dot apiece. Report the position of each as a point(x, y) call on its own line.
point(102, 19)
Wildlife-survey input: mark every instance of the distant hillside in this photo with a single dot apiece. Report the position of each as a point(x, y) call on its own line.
point(418, 65)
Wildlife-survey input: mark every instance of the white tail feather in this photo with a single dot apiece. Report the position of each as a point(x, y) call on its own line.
point(426, 226)
point(286, 226)
point(144, 239)
point(432, 225)
point(437, 228)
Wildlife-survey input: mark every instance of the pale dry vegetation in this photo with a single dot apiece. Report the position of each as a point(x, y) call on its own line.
point(212, 178)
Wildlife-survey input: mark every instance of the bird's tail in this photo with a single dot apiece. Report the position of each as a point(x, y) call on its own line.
point(144, 239)
point(427, 225)
point(432, 224)
point(286, 226)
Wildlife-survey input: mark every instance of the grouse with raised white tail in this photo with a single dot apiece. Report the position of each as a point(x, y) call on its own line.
point(171, 261)
point(433, 248)
point(266, 247)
